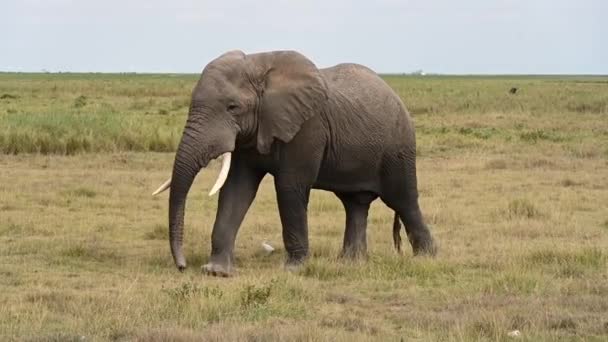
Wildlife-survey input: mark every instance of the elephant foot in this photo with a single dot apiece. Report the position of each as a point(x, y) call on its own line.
point(217, 270)
point(424, 247)
point(294, 265)
point(353, 253)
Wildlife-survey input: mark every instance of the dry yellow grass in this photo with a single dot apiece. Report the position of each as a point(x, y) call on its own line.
point(516, 199)
point(85, 253)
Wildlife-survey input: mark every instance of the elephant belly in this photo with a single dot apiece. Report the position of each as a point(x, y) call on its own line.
point(354, 174)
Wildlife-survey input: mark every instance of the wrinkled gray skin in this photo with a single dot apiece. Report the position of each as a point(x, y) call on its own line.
point(340, 129)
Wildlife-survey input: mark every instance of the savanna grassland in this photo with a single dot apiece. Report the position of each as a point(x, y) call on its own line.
point(513, 186)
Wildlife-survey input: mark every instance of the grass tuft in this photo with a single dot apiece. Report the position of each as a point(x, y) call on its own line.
point(496, 164)
point(82, 192)
point(564, 323)
point(189, 291)
point(567, 182)
point(539, 134)
point(11, 229)
point(569, 264)
point(91, 252)
point(351, 324)
point(158, 232)
point(80, 101)
point(522, 208)
point(253, 296)
point(322, 271)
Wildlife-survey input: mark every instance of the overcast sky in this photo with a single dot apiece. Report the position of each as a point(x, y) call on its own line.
point(445, 36)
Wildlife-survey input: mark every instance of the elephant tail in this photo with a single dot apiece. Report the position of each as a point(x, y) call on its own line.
point(396, 236)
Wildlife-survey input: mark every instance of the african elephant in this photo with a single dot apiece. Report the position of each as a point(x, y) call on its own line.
point(340, 129)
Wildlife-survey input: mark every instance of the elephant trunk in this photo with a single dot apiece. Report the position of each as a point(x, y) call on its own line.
point(194, 152)
point(185, 168)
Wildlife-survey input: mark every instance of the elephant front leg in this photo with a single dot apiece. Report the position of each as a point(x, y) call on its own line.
point(236, 196)
point(293, 204)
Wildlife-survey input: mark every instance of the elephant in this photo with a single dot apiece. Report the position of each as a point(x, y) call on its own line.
point(341, 129)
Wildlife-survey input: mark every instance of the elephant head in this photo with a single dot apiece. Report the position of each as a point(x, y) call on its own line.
point(240, 101)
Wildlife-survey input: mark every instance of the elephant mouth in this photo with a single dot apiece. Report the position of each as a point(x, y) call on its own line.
point(219, 182)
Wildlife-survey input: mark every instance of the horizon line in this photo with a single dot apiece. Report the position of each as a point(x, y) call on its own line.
point(411, 73)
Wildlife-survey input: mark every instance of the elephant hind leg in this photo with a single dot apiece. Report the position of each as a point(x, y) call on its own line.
point(356, 206)
point(417, 232)
point(400, 193)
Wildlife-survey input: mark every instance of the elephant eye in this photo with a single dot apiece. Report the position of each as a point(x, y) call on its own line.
point(232, 107)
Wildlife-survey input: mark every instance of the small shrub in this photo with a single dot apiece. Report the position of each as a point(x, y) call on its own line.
point(253, 296)
point(539, 134)
point(424, 110)
point(522, 208)
point(188, 291)
point(8, 97)
point(80, 101)
point(77, 252)
point(480, 133)
point(569, 182)
point(83, 192)
point(163, 112)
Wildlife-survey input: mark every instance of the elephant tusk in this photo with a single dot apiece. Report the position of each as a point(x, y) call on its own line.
point(221, 178)
point(166, 185)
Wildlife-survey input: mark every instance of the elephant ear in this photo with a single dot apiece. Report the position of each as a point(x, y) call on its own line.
point(292, 91)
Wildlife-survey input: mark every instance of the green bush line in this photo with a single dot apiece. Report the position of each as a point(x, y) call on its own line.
point(79, 113)
point(70, 134)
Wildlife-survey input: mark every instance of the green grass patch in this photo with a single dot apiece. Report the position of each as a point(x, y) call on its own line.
point(190, 291)
point(82, 192)
point(68, 134)
point(81, 113)
point(253, 296)
point(539, 134)
point(567, 263)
